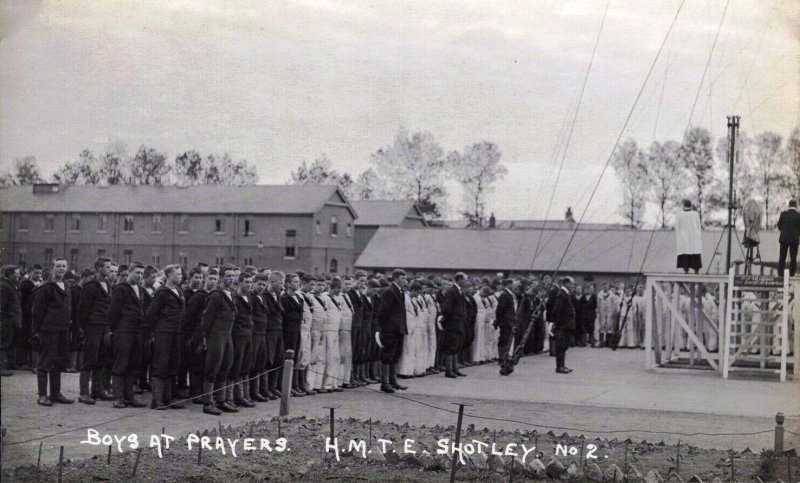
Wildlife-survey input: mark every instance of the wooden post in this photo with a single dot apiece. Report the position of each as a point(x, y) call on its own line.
point(108, 458)
point(721, 329)
point(39, 459)
point(778, 447)
point(725, 345)
point(286, 386)
point(785, 328)
point(60, 464)
point(692, 321)
point(458, 439)
point(796, 317)
point(648, 327)
point(136, 462)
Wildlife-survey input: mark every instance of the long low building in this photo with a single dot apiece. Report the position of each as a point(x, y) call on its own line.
point(593, 254)
point(283, 227)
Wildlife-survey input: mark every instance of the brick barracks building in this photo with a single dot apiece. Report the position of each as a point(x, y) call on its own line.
point(287, 227)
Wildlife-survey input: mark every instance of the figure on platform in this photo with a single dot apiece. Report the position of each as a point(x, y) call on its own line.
point(789, 226)
point(688, 236)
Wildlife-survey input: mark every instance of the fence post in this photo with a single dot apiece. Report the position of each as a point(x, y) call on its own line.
point(286, 386)
point(779, 434)
point(458, 440)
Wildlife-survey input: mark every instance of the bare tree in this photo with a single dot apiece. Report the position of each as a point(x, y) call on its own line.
point(115, 164)
point(773, 172)
point(85, 170)
point(628, 162)
point(476, 169)
point(666, 177)
point(697, 156)
point(321, 172)
point(369, 186)
point(224, 170)
point(413, 169)
point(149, 167)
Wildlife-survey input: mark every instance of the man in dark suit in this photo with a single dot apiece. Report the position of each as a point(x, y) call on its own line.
point(392, 320)
point(11, 308)
point(50, 317)
point(789, 225)
point(563, 320)
point(293, 304)
point(505, 317)
point(452, 323)
point(125, 320)
point(163, 323)
point(217, 325)
point(93, 321)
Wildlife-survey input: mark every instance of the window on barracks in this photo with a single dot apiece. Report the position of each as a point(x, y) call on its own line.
point(156, 224)
point(49, 223)
point(73, 258)
point(75, 222)
point(318, 228)
point(22, 222)
point(248, 260)
point(1, 221)
point(127, 257)
point(156, 259)
point(101, 252)
point(183, 259)
point(22, 258)
point(334, 265)
point(127, 224)
point(291, 244)
point(219, 225)
point(248, 229)
point(183, 224)
point(102, 221)
point(349, 229)
point(48, 255)
point(219, 260)
point(334, 227)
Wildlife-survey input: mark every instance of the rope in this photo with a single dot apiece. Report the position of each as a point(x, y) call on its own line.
point(138, 413)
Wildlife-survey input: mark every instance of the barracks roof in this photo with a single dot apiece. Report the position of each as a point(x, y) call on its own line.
point(266, 199)
point(591, 251)
point(384, 212)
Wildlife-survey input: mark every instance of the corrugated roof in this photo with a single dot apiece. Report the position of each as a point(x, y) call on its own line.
point(591, 251)
point(382, 212)
point(268, 199)
point(538, 224)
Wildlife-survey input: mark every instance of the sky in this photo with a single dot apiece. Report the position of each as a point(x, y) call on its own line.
point(280, 82)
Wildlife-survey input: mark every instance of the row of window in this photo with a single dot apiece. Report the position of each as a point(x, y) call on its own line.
point(155, 226)
point(290, 251)
point(155, 258)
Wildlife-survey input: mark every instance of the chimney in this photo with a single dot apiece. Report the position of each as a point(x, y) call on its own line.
point(568, 216)
point(492, 221)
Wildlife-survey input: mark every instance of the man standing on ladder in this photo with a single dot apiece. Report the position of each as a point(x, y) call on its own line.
point(789, 226)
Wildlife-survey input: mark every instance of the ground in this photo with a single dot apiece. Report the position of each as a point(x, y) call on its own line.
point(610, 395)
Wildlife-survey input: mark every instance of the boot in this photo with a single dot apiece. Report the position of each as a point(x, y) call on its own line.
point(4, 370)
point(98, 391)
point(238, 394)
point(168, 396)
point(157, 400)
point(359, 379)
point(448, 367)
point(208, 399)
point(118, 386)
point(255, 390)
point(274, 382)
point(196, 387)
point(41, 381)
point(263, 384)
point(230, 384)
point(246, 392)
point(271, 385)
point(55, 388)
point(128, 393)
point(220, 394)
point(83, 382)
point(386, 385)
point(301, 382)
point(296, 391)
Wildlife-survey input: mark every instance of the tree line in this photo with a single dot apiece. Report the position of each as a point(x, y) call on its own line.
point(766, 169)
point(147, 166)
